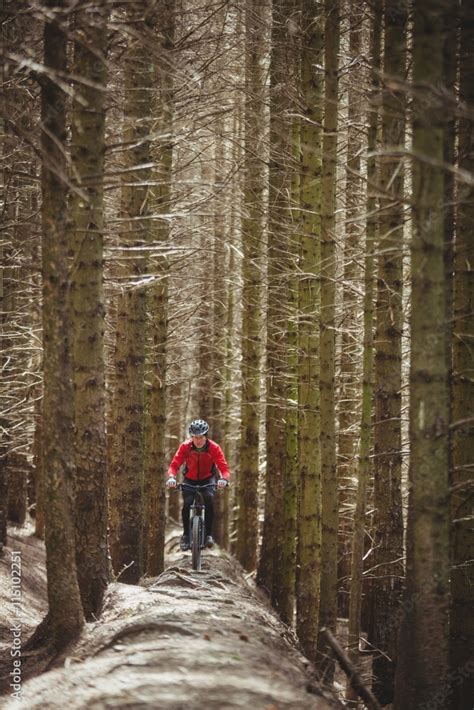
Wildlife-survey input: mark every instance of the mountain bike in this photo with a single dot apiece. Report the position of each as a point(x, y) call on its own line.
point(197, 527)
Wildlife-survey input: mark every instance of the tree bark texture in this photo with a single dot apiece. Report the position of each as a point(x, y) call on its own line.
point(423, 666)
point(273, 560)
point(309, 523)
point(462, 531)
point(252, 231)
point(349, 385)
point(87, 304)
point(388, 520)
point(329, 495)
point(160, 198)
point(127, 457)
point(65, 609)
point(364, 466)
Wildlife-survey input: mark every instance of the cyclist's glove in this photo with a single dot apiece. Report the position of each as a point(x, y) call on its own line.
point(171, 482)
point(221, 483)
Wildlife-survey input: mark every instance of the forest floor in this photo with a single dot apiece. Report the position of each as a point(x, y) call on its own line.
point(185, 639)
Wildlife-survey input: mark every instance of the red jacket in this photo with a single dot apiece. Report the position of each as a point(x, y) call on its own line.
point(199, 464)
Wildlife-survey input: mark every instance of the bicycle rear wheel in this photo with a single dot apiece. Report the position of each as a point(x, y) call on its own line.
point(197, 539)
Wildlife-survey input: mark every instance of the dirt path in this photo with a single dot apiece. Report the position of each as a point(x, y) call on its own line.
point(188, 640)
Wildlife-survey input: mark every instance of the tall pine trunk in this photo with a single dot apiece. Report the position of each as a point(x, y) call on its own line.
point(157, 325)
point(127, 456)
point(423, 665)
point(309, 519)
point(364, 467)
point(388, 521)
point(252, 230)
point(349, 386)
point(87, 303)
point(272, 559)
point(462, 532)
point(329, 502)
point(65, 614)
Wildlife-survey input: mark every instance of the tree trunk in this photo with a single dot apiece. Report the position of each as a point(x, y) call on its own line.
point(65, 609)
point(155, 462)
point(88, 308)
point(462, 533)
point(329, 502)
point(127, 458)
point(388, 521)
point(219, 335)
point(252, 230)
point(422, 670)
point(364, 468)
point(276, 569)
point(349, 386)
point(17, 488)
point(175, 428)
point(309, 522)
point(231, 308)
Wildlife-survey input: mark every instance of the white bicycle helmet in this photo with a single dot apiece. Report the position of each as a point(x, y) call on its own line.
point(198, 427)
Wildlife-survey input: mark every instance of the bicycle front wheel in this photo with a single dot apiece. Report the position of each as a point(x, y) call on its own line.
point(197, 539)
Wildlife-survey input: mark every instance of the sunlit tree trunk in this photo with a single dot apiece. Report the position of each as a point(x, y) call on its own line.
point(65, 609)
point(87, 305)
point(388, 521)
point(252, 230)
point(462, 534)
point(329, 503)
point(423, 656)
point(229, 425)
point(349, 386)
point(364, 467)
point(127, 459)
point(202, 385)
point(309, 519)
point(231, 323)
point(219, 335)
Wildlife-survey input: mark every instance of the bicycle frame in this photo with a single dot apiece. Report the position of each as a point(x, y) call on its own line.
point(197, 526)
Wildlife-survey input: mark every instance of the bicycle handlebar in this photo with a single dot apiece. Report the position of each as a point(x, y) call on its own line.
point(180, 486)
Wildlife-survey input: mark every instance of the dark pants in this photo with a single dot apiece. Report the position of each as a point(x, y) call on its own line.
point(188, 498)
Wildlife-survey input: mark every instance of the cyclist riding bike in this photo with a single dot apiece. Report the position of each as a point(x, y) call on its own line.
point(203, 461)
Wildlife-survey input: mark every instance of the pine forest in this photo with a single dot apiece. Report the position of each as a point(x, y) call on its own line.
point(237, 246)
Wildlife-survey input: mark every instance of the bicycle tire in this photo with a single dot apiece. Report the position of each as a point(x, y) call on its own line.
point(196, 542)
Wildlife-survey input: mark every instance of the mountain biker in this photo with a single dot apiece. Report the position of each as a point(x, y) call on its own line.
point(203, 460)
